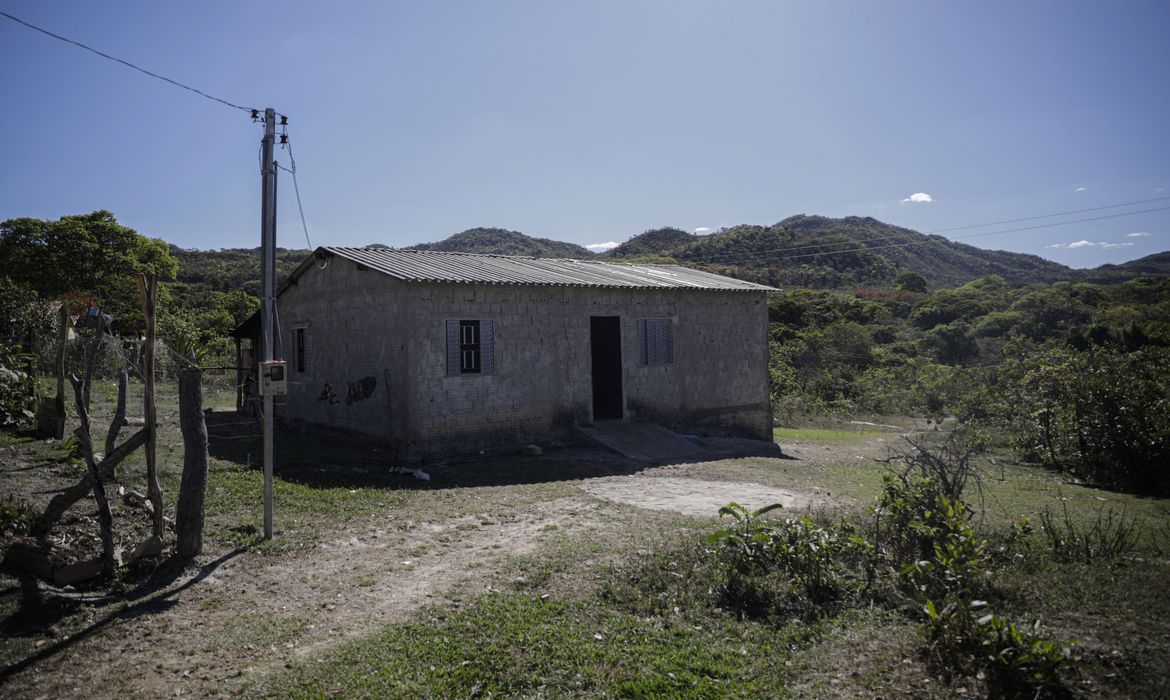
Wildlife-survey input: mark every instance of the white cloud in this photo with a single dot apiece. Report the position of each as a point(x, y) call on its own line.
point(1137, 234)
point(918, 198)
point(703, 229)
point(1074, 244)
point(601, 247)
point(1080, 189)
point(1107, 246)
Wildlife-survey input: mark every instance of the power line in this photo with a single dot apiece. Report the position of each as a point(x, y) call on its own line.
point(124, 62)
point(296, 187)
point(761, 256)
point(1049, 216)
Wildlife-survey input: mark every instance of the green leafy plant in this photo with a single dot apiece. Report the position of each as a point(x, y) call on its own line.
point(954, 570)
point(16, 516)
point(910, 518)
point(1019, 663)
point(750, 540)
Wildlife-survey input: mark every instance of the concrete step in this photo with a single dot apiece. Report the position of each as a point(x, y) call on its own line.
point(643, 442)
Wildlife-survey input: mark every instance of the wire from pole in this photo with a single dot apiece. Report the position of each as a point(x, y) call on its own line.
point(128, 64)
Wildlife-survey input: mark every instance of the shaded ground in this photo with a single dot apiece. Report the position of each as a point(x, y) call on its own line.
point(357, 548)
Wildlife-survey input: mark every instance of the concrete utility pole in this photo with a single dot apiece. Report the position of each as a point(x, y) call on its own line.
point(268, 300)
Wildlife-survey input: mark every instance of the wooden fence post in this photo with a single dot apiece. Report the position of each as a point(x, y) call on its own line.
point(149, 289)
point(189, 511)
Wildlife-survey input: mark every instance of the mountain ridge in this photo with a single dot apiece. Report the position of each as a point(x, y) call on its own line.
point(499, 241)
point(800, 251)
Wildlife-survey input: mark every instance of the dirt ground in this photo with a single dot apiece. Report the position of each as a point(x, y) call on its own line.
point(212, 629)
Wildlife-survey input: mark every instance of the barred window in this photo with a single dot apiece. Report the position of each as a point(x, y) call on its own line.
point(470, 347)
point(300, 347)
point(657, 341)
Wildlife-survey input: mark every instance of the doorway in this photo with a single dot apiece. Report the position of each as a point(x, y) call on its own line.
point(605, 342)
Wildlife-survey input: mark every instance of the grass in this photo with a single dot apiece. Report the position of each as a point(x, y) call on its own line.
point(635, 578)
point(626, 611)
point(783, 435)
point(510, 644)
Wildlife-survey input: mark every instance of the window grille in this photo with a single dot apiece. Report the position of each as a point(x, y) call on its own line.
point(470, 347)
point(300, 348)
point(657, 336)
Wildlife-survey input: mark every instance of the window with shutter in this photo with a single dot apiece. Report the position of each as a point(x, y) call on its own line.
point(657, 347)
point(300, 349)
point(470, 347)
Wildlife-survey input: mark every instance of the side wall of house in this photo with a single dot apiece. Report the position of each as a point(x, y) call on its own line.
point(355, 353)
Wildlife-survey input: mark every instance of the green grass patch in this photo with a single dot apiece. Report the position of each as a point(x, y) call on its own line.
point(518, 644)
point(828, 434)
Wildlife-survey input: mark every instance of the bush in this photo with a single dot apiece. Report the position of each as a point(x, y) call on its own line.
point(951, 464)
point(1101, 416)
point(18, 391)
point(772, 567)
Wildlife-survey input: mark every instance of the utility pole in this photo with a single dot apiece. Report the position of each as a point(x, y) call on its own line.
point(268, 300)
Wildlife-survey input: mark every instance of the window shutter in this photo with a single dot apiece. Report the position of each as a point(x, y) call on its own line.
point(644, 336)
point(452, 347)
point(667, 336)
point(657, 347)
point(487, 348)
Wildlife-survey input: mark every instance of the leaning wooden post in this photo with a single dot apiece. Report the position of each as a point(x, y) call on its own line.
point(105, 517)
point(189, 512)
point(149, 290)
point(59, 402)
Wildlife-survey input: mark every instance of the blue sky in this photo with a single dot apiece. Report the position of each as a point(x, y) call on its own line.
point(593, 121)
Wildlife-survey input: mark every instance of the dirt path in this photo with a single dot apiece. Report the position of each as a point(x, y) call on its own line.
point(252, 614)
point(693, 496)
point(226, 623)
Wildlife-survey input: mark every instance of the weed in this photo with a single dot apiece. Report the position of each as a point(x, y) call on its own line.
point(1022, 664)
point(16, 516)
point(1109, 536)
point(782, 566)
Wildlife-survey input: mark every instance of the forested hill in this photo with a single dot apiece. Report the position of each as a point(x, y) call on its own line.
point(498, 241)
point(1156, 265)
point(816, 252)
point(231, 268)
point(822, 252)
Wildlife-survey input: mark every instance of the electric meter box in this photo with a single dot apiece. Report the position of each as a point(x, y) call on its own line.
point(273, 378)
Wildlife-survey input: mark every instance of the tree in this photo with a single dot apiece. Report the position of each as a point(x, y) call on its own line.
point(910, 281)
point(91, 253)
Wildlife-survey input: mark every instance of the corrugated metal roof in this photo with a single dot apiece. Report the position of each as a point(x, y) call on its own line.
point(469, 268)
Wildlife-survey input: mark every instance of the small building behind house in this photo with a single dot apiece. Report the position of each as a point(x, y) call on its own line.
point(436, 354)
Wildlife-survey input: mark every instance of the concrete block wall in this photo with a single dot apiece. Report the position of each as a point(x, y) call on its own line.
point(352, 320)
point(366, 324)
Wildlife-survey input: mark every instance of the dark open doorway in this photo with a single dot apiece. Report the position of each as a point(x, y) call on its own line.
point(605, 341)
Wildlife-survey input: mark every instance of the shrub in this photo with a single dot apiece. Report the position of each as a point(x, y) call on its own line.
point(1017, 663)
point(909, 520)
point(1101, 416)
point(790, 564)
point(951, 464)
point(17, 390)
